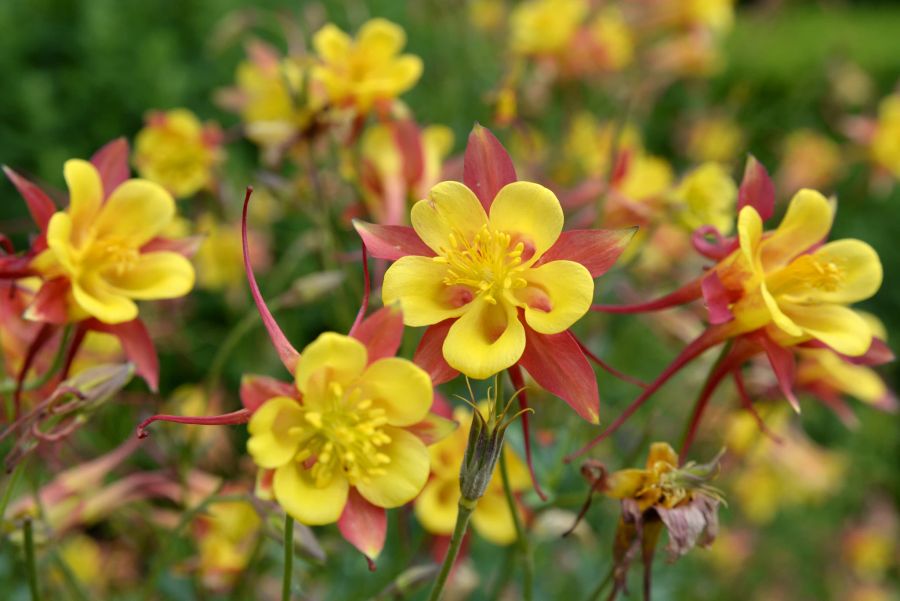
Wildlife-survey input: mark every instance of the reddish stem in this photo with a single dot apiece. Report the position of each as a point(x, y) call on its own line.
point(241, 416)
point(609, 368)
point(709, 338)
point(687, 293)
point(367, 288)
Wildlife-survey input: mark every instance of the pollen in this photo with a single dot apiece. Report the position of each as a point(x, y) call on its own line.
point(117, 255)
point(344, 434)
point(489, 264)
point(819, 273)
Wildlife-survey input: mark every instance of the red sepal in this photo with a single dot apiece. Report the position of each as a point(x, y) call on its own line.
point(256, 390)
point(381, 333)
point(433, 428)
point(515, 374)
point(597, 250)
point(187, 246)
point(557, 364)
point(286, 352)
point(757, 189)
point(486, 166)
point(783, 364)
point(39, 204)
point(717, 299)
point(49, 304)
point(408, 139)
point(429, 354)
point(111, 162)
point(391, 241)
point(138, 347)
point(364, 526)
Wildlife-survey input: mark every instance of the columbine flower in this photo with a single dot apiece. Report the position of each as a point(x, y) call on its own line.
point(349, 437)
point(662, 495)
point(100, 247)
point(178, 152)
point(400, 160)
point(706, 196)
point(487, 266)
point(770, 292)
point(436, 507)
point(347, 429)
point(810, 160)
point(226, 533)
point(364, 71)
point(885, 142)
point(269, 97)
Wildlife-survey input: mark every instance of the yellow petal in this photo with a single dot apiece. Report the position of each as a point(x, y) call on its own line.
point(531, 213)
point(400, 387)
point(857, 381)
point(341, 358)
point(379, 39)
point(296, 491)
point(331, 44)
point(436, 506)
point(136, 211)
point(155, 275)
point(661, 452)
point(493, 520)
point(406, 473)
point(271, 443)
point(417, 283)
point(807, 222)
point(558, 294)
point(85, 193)
point(95, 296)
point(59, 239)
point(749, 236)
point(859, 271)
point(450, 209)
point(841, 328)
point(625, 484)
point(404, 72)
point(485, 340)
point(778, 316)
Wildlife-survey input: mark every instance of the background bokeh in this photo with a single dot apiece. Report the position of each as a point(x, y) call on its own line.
point(74, 75)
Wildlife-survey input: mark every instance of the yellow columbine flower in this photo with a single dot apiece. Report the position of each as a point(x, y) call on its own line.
point(706, 196)
point(350, 430)
point(219, 258)
point(716, 138)
point(611, 32)
point(486, 270)
point(368, 69)
point(545, 27)
point(437, 505)
point(98, 244)
point(226, 533)
point(802, 294)
point(811, 160)
point(885, 145)
point(178, 152)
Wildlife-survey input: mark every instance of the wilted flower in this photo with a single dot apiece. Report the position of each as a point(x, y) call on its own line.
point(178, 152)
point(436, 505)
point(662, 495)
point(367, 70)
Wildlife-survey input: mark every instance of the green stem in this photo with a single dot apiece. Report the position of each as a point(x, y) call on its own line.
point(598, 590)
point(466, 506)
point(521, 537)
point(10, 487)
point(30, 566)
point(288, 557)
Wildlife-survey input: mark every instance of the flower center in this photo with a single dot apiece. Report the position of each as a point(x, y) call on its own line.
point(346, 435)
point(818, 273)
point(117, 255)
point(487, 265)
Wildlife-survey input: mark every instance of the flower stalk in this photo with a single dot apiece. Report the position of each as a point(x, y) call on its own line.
point(30, 565)
point(522, 541)
point(288, 557)
point(466, 506)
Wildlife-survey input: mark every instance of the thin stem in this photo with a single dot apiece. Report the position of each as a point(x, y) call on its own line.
point(288, 557)
point(30, 566)
point(10, 487)
point(595, 594)
point(466, 506)
point(10, 385)
point(521, 536)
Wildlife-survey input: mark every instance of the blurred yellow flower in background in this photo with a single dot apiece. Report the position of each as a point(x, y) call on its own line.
point(545, 27)
point(706, 196)
point(885, 144)
point(366, 70)
point(717, 139)
point(177, 151)
point(226, 533)
point(811, 160)
point(437, 504)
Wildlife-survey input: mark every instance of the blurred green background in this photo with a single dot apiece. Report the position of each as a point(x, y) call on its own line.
point(75, 74)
